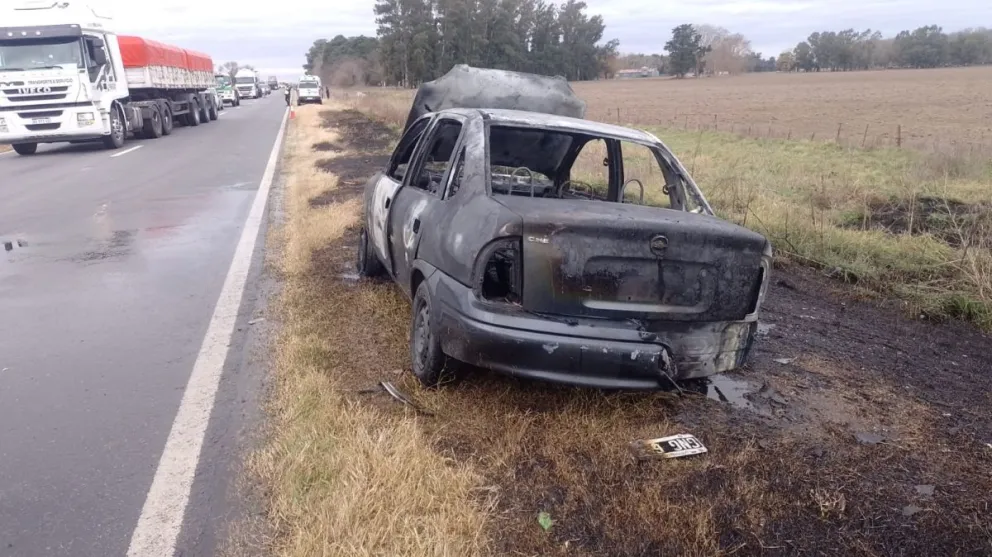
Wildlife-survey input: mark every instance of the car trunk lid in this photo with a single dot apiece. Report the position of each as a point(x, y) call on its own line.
point(626, 261)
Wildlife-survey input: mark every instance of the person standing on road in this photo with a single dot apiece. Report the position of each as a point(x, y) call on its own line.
point(289, 94)
point(327, 92)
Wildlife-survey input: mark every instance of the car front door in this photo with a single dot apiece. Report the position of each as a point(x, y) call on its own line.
point(379, 203)
point(420, 195)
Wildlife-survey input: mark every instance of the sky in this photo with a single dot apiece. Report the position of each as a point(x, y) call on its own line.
point(274, 36)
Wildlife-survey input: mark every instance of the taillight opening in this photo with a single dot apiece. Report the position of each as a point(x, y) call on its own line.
point(499, 273)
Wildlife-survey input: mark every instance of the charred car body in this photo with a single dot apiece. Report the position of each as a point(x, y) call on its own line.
point(537, 243)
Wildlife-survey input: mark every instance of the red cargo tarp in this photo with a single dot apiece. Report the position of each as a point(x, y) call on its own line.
point(199, 62)
point(137, 52)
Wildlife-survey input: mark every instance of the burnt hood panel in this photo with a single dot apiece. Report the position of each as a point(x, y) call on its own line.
point(483, 88)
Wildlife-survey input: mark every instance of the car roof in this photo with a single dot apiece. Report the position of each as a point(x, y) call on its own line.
point(542, 120)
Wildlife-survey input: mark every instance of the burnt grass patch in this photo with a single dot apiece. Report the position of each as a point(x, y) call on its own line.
point(953, 222)
point(325, 146)
point(364, 153)
point(793, 481)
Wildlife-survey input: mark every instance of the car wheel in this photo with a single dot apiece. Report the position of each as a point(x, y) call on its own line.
point(25, 148)
point(369, 265)
point(430, 364)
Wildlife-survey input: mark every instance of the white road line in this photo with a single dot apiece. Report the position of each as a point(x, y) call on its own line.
point(162, 514)
point(126, 151)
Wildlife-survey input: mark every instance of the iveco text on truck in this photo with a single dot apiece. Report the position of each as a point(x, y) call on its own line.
point(66, 76)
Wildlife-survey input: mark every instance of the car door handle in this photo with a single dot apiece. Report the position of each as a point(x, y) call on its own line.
point(416, 225)
point(387, 202)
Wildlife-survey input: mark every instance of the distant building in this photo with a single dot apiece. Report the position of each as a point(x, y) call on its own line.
point(637, 73)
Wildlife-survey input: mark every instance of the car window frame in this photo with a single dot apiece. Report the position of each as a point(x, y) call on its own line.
point(420, 153)
point(411, 131)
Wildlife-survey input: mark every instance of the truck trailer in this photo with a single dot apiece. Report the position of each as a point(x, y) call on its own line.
point(66, 76)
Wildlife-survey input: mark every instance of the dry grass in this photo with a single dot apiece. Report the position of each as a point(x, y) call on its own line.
point(346, 478)
point(937, 109)
point(354, 473)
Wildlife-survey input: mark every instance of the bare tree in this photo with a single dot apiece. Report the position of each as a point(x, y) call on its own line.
point(728, 52)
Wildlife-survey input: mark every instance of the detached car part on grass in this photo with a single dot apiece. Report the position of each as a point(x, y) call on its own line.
point(515, 265)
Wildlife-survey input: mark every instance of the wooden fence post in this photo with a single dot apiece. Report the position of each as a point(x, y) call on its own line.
point(839, 126)
point(899, 135)
point(865, 138)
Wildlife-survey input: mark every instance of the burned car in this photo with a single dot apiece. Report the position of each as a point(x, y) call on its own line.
point(535, 242)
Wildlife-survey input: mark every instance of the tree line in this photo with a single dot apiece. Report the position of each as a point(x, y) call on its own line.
point(420, 40)
point(925, 47)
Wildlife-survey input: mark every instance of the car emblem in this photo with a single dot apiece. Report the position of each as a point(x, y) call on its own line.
point(658, 245)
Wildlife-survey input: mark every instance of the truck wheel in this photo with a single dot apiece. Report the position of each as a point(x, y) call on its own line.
point(369, 265)
point(193, 116)
point(25, 148)
point(430, 364)
point(205, 111)
point(116, 138)
point(212, 111)
point(167, 122)
point(153, 126)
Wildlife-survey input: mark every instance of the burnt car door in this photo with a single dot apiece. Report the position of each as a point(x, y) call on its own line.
point(419, 197)
point(379, 204)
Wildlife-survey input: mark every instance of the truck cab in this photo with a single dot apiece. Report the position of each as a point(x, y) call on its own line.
point(246, 82)
point(60, 74)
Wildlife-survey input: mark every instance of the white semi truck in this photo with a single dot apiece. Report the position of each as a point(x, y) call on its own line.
point(66, 76)
point(246, 81)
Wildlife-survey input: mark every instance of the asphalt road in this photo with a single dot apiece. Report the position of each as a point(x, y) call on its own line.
point(111, 266)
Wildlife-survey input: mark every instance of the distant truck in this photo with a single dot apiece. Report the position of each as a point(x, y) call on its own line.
point(273, 83)
point(309, 90)
point(246, 82)
point(66, 76)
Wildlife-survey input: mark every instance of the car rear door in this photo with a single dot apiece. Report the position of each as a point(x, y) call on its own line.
point(418, 201)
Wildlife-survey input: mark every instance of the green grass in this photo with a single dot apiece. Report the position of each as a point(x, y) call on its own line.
point(814, 200)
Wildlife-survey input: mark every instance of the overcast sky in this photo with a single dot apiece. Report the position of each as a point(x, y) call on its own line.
point(274, 36)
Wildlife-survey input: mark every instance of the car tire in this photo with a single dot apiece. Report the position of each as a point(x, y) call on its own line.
point(25, 148)
point(369, 265)
point(430, 365)
point(117, 130)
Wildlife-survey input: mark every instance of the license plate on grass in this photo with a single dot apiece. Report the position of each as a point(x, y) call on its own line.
point(41, 120)
point(674, 446)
